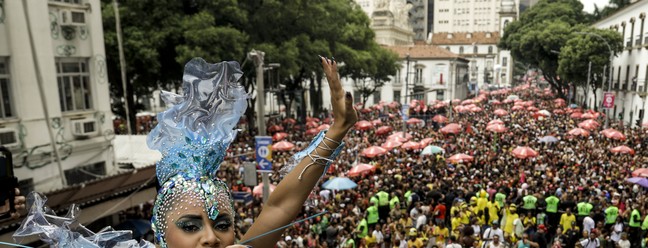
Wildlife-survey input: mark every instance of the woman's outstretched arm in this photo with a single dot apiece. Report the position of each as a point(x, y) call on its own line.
point(287, 199)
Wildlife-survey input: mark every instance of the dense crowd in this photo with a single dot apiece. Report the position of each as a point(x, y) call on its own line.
point(572, 194)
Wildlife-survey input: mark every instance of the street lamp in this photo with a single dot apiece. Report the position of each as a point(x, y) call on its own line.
point(407, 58)
point(607, 110)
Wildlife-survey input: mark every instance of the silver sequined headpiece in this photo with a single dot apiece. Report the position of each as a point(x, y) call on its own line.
point(193, 136)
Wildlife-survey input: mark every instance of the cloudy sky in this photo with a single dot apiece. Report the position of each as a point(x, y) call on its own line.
point(589, 4)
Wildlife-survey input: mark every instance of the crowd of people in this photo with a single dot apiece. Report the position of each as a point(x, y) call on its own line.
point(573, 193)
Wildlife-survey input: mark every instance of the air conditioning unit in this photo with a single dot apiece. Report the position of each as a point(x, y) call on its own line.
point(72, 17)
point(84, 127)
point(9, 137)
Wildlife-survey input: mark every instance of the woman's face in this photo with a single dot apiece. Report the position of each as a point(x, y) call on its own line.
point(190, 226)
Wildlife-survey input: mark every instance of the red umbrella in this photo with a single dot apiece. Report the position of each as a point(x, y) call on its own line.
point(312, 131)
point(587, 116)
point(579, 132)
point(275, 128)
point(414, 121)
point(456, 101)
point(376, 122)
point(398, 139)
point(451, 128)
point(507, 101)
point(312, 124)
point(467, 102)
point(622, 150)
point(279, 136)
point(460, 158)
point(497, 128)
point(476, 109)
point(360, 169)
point(283, 146)
point(411, 145)
point(613, 134)
point(258, 190)
point(641, 172)
point(426, 141)
point(400, 135)
point(532, 109)
point(524, 152)
point(363, 125)
point(500, 112)
point(558, 111)
point(391, 144)
point(576, 115)
point(516, 108)
point(323, 127)
point(496, 102)
point(496, 121)
point(439, 119)
point(589, 124)
point(373, 151)
point(289, 121)
point(365, 110)
point(383, 130)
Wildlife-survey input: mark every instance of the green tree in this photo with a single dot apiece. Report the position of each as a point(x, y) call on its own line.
point(585, 47)
point(540, 32)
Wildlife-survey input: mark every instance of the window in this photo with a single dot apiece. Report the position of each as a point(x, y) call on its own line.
point(74, 84)
point(397, 96)
point(418, 79)
point(641, 31)
point(439, 95)
point(504, 61)
point(490, 49)
point(475, 50)
point(6, 109)
point(82, 174)
point(448, 48)
point(461, 50)
point(376, 96)
point(357, 96)
point(627, 76)
point(68, 1)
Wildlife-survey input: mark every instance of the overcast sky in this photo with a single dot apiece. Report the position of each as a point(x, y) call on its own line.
point(589, 4)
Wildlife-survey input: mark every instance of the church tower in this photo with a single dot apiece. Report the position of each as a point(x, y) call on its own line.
point(507, 14)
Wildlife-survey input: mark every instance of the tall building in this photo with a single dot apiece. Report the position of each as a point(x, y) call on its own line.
point(629, 71)
point(419, 17)
point(459, 16)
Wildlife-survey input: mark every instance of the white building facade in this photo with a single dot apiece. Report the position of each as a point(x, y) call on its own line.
point(69, 51)
point(434, 74)
point(629, 68)
point(465, 16)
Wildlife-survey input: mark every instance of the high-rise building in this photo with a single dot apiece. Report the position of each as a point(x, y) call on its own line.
point(419, 18)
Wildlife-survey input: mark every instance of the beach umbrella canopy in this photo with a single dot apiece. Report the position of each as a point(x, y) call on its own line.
point(426, 141)
point(460, 158)
point(323, 127)
point(411, 145)
point(373, 151)
point(523, 152)
point(589, 124)
point(363, 125)
point(613, 134)
point(391, 144)
point(275, 128)
point(440, 119)
point(579, 132)
point(360, 169)
point(642, 181)
point(283, 146)
point(383, 130)
point(453, 128)
point(258, 190)
point(496, 121)
point(587, 116)
point(512, 97)
point(376, 122)
point(312, 131)
point(558, 111)
point(312, 124)
point(622, 150)
point(641, 172)
point(279, 136)
point(414, 121)
point(500, 112)
point(497, 128)
point(339, 183)
point(548, 139)
point(576, 115)
point(400, 134)
point(429, 150)
point(544, 112)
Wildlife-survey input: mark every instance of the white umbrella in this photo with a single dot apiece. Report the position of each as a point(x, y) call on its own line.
point(513, 97)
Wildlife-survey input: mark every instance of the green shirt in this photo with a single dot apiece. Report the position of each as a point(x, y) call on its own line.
point(407, 195)
point(372, 215)
point(374, 201)
point(611, 214)
point(350, 243)
point(552, 204)
point(499, 198)
point(363, 228)
point(584, 208)
point(529, 202)
point(644, 225)
point(393, 202)
point(383, 198)
point(635, 215)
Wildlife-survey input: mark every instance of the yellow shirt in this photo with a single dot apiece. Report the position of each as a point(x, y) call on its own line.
point(370, 240)
point(493, 210)
point(566, 222)
point(465, 218)
point(418, 243)
point(441, 234)
point(405, 222)
point(508, 227)
point(455, 222)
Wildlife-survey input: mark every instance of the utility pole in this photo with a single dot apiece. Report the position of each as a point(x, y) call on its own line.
point(122, 65)
point(589, 72)
point(257, 57)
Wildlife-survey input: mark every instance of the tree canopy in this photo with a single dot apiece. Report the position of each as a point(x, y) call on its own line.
point(548, 29)
point(160, 36)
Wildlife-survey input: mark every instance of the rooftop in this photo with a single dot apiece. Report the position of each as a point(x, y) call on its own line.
point(423, 52)
point(465, 38)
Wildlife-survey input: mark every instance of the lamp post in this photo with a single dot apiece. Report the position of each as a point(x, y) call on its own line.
point(407, 58)
point(607, 110)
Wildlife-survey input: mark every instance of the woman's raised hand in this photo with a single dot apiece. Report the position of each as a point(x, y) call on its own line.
point(343, 112)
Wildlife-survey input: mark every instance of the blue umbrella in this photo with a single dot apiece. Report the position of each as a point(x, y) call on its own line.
point(429, 150)
point(339, 183)
point(548, 139)
point(638, 180)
